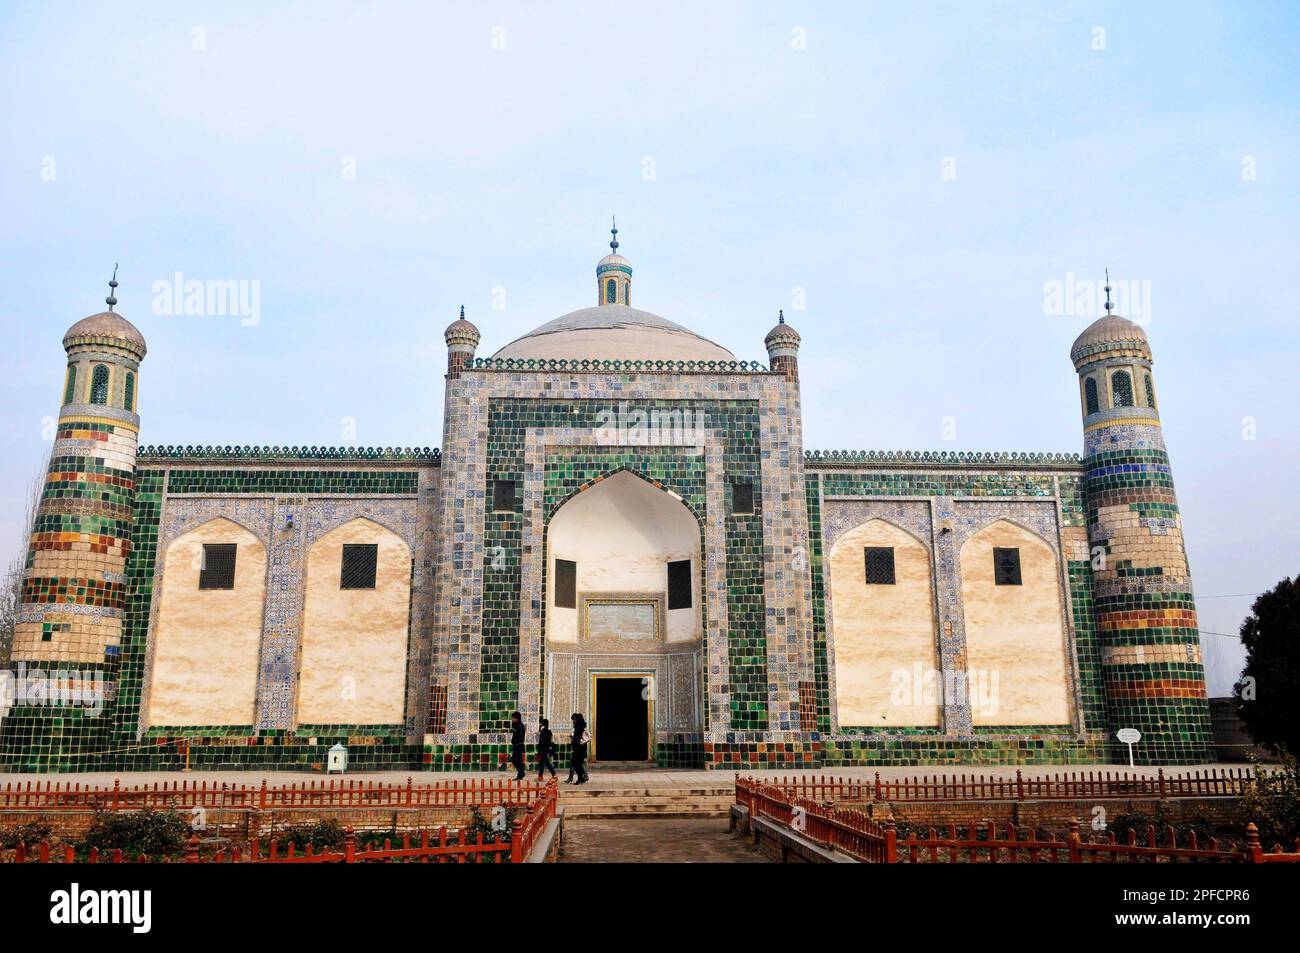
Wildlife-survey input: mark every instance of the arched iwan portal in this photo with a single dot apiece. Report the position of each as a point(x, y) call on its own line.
point(621, 535)
point(623, 615)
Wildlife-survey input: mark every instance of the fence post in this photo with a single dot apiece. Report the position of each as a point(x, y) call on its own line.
point(1160, 774)
point(349, 846)
point(1073, 841)
point(192, 850)
point(117, 784)
point(1020, 786)
point(877, 795)
point(1254, 850)
point(261, 801)
point(891, 841)
point(517, 841)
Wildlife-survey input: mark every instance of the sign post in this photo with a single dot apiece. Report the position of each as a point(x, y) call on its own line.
point(1130, 737)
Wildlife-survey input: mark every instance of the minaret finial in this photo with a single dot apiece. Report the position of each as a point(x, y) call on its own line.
point(781, 316)
point(1108, 304)
point(112, 289)
point(462, 312)
point(613, 230)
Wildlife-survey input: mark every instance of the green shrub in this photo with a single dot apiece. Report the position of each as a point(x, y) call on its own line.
point(319, 834)
point(155, 833)
point(1139, 821)
point(1272, 801)
point(29, 834)
point(480, 824)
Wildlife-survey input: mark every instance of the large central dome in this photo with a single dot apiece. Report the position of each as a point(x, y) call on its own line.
point(613, 330)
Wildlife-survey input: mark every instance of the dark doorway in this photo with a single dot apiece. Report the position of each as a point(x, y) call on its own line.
point(622, 727)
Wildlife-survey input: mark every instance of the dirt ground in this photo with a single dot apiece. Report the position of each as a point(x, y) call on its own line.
point(655, 840)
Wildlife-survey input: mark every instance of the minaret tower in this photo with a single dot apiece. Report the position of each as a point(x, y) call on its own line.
point(613, 274)
point(782, 344)
point(1142, 590)
point(69, 629)
point(462, 339)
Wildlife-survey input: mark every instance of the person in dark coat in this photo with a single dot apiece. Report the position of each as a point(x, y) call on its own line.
point(545, 750)
point(578, 759)
point(517, 744)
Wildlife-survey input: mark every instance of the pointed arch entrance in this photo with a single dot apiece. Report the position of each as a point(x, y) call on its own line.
point(623, 612)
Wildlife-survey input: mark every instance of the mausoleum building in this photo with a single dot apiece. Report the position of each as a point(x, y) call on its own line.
point(622, 521)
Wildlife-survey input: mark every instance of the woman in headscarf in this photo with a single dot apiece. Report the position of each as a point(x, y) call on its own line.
point(578, 749)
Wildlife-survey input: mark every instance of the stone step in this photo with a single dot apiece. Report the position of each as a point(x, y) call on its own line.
point(612, 796)
point(586, 791)
point(647, 808)
point(684, 801)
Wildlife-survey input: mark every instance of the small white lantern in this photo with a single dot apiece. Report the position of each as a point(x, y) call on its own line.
point(337, 760)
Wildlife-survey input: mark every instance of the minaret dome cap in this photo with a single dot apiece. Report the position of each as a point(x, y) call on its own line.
point(782, 334)
point(106, 327)
point(461, 331)
point(1108, 331)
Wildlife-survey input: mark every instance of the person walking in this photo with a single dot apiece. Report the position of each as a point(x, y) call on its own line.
point(578, 757)
point(545, 750)
point(517, 744)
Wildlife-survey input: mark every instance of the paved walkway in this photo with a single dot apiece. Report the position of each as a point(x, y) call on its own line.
point(611, 779)
point(655, 840)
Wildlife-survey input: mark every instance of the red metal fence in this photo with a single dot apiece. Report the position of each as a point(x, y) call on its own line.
point(1089, 785)
point(853, 833)
point(440, 846)
point(969, 847)
point(846, 830)
point(335, 793)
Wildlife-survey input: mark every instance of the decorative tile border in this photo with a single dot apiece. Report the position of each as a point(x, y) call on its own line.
point(165, 454)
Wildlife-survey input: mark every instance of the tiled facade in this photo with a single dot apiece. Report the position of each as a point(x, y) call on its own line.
point(755, 688)
point(943, 499)
point(544, 429)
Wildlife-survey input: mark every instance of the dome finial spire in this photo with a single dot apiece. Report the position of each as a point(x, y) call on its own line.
point(613, 230)
point(112, 289)
point(781, 316)
point(1108, 304)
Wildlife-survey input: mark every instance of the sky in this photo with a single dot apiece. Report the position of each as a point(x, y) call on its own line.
point(908, 182)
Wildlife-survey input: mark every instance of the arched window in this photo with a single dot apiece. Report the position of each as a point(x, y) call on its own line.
point(1121, 388)
point(1151, 394)
point(128, 392)
point(611, 292)
point(99, 384)
point(1090, 395)
point(71, 389)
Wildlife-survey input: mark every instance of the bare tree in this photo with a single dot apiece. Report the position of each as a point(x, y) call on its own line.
point(11, 588)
